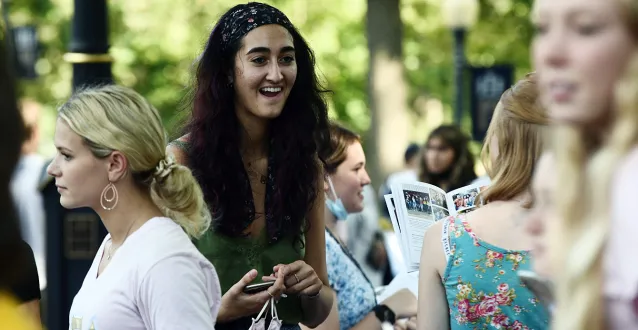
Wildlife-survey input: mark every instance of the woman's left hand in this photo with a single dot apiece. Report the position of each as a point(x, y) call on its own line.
point(299, 278)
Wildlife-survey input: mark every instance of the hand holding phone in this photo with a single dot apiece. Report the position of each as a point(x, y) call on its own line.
point(236, 303)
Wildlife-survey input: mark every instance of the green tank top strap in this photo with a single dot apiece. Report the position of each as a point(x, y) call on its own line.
point(180, 144)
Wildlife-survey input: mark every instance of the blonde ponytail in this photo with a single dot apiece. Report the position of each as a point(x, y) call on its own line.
point(176, 192)
point(108, 118)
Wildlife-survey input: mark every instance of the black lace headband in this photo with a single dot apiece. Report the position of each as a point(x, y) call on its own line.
point(247, 17)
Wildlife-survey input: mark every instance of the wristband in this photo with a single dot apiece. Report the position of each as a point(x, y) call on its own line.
point(384, 314)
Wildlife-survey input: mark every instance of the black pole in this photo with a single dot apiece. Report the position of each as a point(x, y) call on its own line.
point(88, 50)
point(459, 67)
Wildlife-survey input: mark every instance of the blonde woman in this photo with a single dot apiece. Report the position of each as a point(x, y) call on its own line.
point(147, 274)
point(469, 262)
point(585, 55)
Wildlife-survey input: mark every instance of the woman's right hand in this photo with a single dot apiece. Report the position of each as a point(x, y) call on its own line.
point(403, 303)
point(237, 304)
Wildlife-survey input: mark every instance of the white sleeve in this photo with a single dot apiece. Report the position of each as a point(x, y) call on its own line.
point(177, 293)
point(621, 273)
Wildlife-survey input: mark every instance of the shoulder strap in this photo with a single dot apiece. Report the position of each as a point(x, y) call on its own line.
point(180, 144)
point(445, 237)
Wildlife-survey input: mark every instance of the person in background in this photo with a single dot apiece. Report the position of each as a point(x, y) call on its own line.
point(410, 173)
point(446, 160)
point(24, 187)
point(469, 262)
point(356, 306)
point(146, 274)
point(13, 255)
point(258, 111)
point(542, 213)
point(541, 216)
point(365, 240)
point(28, 201)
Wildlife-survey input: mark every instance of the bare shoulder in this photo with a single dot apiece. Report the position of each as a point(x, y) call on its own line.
point(178, 148)
point(432, 251)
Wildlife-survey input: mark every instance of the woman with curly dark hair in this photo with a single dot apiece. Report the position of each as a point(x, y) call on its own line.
point(447, 161)
point(258, 112)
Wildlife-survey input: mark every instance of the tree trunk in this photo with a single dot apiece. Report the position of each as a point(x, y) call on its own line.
point(387, 90)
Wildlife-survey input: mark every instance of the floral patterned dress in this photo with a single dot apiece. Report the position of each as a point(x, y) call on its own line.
point(355, 293)
point(482, 288)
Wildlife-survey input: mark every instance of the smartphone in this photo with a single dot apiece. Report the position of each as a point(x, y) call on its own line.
point(258, 287)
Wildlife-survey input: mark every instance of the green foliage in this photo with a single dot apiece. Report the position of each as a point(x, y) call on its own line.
point(154, 44)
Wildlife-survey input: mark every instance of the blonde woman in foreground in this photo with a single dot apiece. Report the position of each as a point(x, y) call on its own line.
point(469, 262)
point(585, 55)
point(147, 274)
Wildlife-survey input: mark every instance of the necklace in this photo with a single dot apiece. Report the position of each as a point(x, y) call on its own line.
point(110, 252)
point(250, 169)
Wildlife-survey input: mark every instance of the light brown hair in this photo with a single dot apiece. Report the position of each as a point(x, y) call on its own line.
point(336, 151)
point(519, 125)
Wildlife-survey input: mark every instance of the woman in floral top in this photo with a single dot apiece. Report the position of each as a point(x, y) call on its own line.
point(470, 283)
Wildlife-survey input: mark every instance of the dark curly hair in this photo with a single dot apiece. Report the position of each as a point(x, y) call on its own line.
point(214, 155)
point(462, 171)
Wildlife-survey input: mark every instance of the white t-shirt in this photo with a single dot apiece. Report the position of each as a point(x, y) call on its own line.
point(620, 285)
point(156, 280)
point(30, 207)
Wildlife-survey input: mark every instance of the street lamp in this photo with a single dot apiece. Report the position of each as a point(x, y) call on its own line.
point(22, 46)
point(25, 43)
point(459, 15)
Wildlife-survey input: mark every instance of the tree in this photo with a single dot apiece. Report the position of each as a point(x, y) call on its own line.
point(387, 89)
point(154, 44)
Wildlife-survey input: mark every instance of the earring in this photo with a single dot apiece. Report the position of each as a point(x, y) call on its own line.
point(112, 200)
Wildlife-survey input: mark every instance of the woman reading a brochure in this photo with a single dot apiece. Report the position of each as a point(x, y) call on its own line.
point(356, 306)
point(469, 262)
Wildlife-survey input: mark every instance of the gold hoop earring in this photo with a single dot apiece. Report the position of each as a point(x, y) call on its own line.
point(104, 197)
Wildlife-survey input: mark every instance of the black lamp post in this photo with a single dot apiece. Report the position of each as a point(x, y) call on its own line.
point(88, 50)
point(459, 15)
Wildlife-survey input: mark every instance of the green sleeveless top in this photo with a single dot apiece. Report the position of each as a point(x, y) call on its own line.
point(233, 257)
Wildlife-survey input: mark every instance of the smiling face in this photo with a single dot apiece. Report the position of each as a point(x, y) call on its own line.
point(79, 175)
point(265, 72)
point(579, 52)
point(350, 178)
